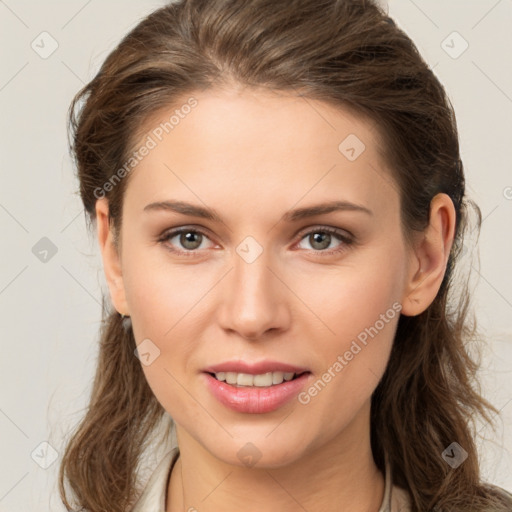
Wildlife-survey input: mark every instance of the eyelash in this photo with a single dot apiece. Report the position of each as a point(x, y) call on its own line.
point(346, 239)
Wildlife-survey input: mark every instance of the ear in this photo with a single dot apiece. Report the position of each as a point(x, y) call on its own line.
point(111, 257)
point(429, 257)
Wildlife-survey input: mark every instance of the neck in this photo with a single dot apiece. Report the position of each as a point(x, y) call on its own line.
point(340, 475)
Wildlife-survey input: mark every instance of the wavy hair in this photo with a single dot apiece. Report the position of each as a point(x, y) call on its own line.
point(350, 54)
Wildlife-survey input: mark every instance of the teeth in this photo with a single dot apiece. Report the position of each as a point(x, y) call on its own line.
point(261, 380)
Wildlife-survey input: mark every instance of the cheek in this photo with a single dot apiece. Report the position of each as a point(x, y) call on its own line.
point(354, 362)
point(346, 301)
point(158, 292)
point(359, 313)
point(165, 302)
point(342, 323)
point(160, 326)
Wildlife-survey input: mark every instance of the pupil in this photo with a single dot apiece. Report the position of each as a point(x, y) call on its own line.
point(317, 238)
point(187, 238)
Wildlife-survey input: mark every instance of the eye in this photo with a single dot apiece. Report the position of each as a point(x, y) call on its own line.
point(189, 239)
point(320, 239)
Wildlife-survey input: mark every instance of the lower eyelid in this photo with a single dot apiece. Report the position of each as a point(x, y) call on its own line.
point(164, 239)
point(345, 239)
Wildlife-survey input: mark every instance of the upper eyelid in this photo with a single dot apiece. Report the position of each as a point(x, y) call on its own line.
point(329, 229)
point(342, 233)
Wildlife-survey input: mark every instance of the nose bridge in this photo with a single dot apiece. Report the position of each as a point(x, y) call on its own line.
point(253, 302)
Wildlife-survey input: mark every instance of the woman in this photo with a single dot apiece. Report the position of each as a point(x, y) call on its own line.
point(279, 202)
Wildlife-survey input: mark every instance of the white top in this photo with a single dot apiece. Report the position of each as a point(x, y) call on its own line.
point(154, 495)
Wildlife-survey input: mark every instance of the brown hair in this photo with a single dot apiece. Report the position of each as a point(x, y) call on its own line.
point(347, 53)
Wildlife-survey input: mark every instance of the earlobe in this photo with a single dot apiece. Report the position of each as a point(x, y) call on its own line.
point(110, 257)
point(430, 257)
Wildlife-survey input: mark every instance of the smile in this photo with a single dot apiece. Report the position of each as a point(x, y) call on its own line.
point(260, 380)
point(256, 394)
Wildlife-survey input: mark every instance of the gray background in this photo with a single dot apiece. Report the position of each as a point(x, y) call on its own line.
point(50, 302)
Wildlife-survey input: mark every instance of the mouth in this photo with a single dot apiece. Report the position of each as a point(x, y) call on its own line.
point(262, 380)
point(256, 393)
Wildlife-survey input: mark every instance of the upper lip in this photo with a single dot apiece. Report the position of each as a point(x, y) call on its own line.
point(254, 368)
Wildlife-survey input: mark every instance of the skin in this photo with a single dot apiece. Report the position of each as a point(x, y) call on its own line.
point(252, 156)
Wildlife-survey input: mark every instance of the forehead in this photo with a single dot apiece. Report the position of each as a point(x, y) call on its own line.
point(255, 146)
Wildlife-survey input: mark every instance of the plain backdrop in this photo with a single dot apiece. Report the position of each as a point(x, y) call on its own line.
point(51, 279)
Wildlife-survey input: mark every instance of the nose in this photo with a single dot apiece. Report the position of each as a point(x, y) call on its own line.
point(254, 299)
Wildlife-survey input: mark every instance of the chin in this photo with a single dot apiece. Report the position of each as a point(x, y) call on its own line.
point(258, 450)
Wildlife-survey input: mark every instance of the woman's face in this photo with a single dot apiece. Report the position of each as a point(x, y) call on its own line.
point(260, 279)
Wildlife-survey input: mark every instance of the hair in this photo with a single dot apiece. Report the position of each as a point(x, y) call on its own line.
point(349, 54)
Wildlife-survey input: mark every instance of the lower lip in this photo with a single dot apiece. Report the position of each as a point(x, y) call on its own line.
point(256, 400)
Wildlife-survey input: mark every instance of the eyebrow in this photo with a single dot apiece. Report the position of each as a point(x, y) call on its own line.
point(290, 216)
